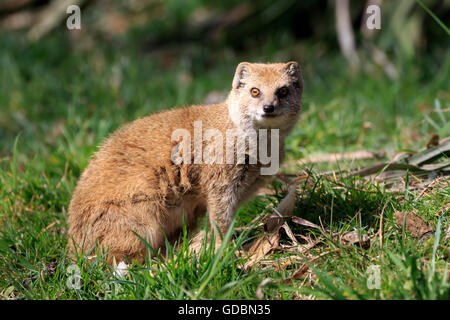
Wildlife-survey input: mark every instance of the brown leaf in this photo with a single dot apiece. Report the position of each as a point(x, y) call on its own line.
point(305, 223)
point(261, 247)
point(273, 222)
point(414, 224)
point(290, 234)
point(354, 238)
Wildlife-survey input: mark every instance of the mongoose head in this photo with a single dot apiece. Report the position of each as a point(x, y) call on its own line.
point(266, 95)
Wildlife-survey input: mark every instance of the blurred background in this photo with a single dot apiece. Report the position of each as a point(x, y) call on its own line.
point(64, 90)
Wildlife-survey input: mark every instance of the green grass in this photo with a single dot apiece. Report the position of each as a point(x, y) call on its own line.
point(57, 105)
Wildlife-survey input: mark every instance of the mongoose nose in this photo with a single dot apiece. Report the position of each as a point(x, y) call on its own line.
point(268, 108)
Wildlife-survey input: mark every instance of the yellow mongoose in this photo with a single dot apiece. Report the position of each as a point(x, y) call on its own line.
point(143, 180)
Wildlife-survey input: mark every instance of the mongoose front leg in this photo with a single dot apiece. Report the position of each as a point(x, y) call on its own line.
point(229, 188)
point(221, 211)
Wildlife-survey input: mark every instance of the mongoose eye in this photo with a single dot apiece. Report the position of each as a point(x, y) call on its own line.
point(254, 92)
point(283, 91)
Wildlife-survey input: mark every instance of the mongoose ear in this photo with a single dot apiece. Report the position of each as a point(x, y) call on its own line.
point(241, 74)
point(293, 70)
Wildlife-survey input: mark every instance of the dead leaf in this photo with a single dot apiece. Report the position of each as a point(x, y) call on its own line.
point(261, 247)
point(273, 222)
point(354, 238)
point(414, 224)
point(290, 234)
point(305, 223)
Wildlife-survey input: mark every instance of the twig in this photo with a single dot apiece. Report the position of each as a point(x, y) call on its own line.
point(345, 34)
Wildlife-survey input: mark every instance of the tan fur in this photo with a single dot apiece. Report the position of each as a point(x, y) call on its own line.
point(132, 185)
